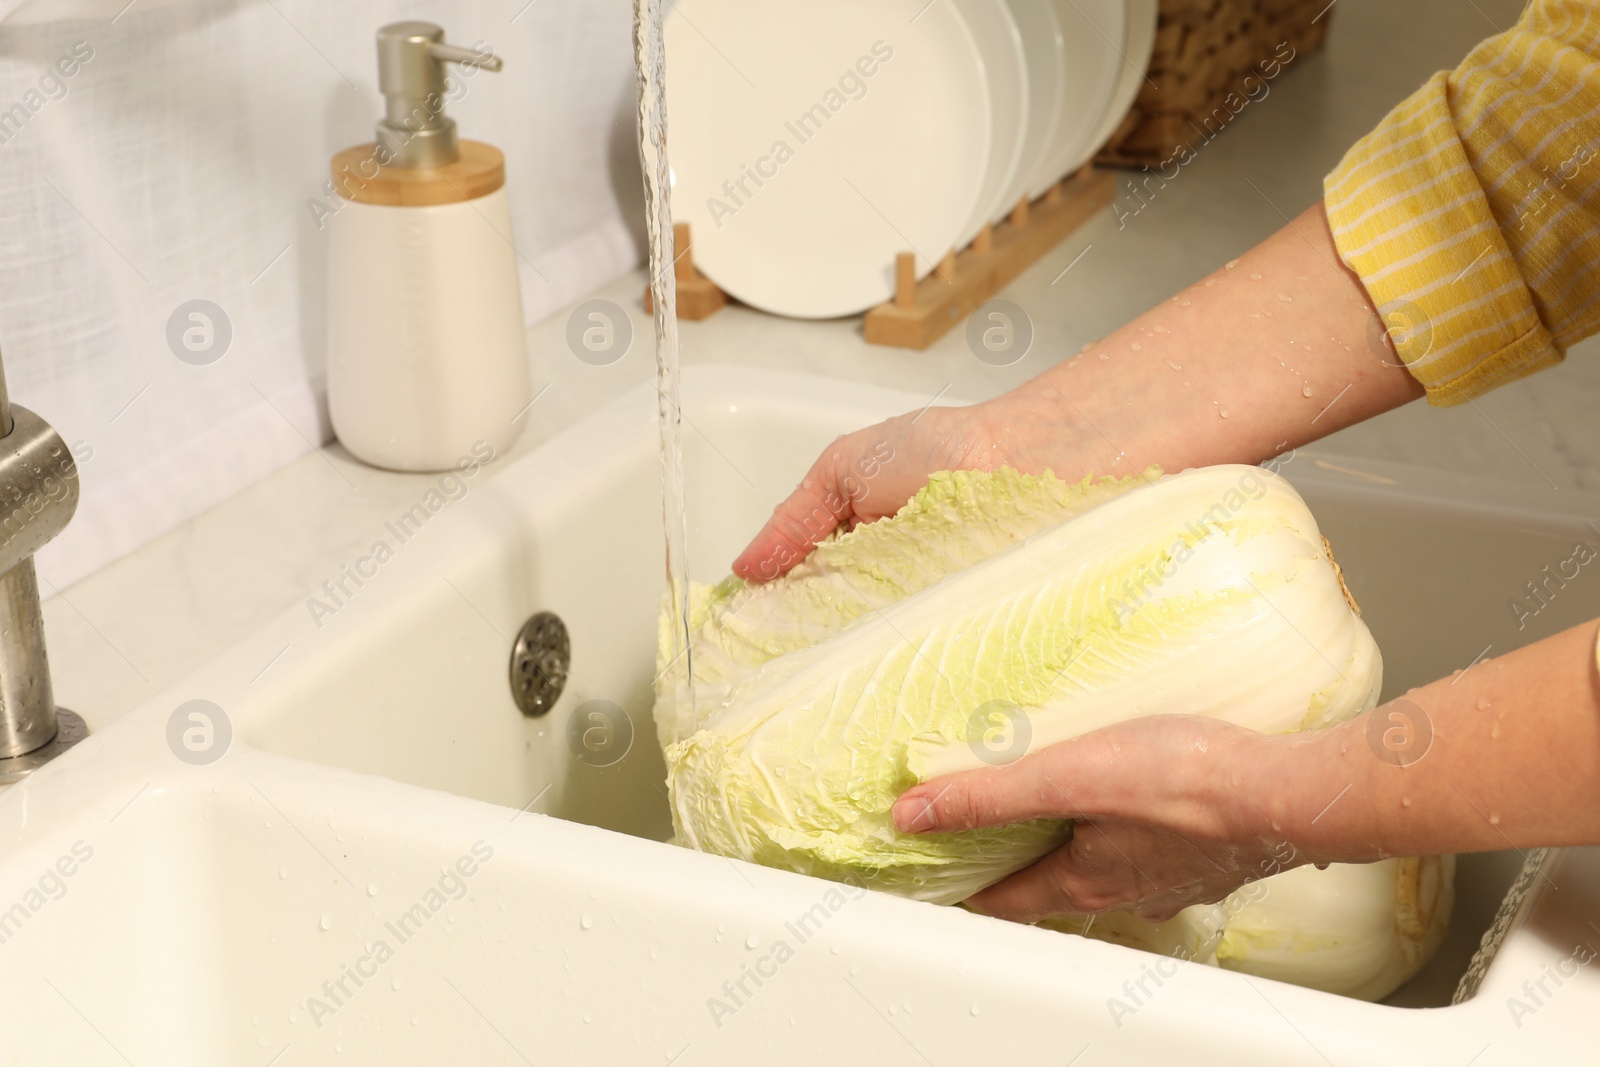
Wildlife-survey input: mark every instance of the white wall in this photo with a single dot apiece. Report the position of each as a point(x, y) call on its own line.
point(182, 161)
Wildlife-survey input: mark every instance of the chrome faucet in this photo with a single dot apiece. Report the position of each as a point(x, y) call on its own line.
point(38, 495)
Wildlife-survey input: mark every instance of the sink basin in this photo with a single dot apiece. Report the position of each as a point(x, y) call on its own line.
point(379, 859)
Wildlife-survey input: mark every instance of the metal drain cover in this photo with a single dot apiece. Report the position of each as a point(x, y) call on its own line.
point(539, 663)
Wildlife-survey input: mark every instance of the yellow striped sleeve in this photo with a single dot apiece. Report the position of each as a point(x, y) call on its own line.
point(1472, 213)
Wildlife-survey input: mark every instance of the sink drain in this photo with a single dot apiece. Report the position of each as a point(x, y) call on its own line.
point(539, 663)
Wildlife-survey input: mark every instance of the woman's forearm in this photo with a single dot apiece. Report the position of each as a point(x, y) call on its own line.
point(1276, 349)
point(1513, 761)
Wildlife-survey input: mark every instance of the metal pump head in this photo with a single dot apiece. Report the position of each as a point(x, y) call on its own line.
point(414, 131)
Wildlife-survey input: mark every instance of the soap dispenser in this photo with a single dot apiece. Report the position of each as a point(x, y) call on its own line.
point(427, 355)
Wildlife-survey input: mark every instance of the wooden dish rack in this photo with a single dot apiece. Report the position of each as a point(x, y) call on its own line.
point(921, 312)
point(1203, 51)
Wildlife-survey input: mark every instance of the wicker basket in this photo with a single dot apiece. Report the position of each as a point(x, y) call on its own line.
point(1211, 58)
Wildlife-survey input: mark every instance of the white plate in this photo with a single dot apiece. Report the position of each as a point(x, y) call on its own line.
point(1044, 52)
point(802, 174)
point(1092, 32)
point(1139, 41)
point(1005, 67)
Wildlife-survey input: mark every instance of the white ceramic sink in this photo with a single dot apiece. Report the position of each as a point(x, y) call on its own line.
point(249, 911)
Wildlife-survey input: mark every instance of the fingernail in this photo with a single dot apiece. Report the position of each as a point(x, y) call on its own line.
point(913, 814)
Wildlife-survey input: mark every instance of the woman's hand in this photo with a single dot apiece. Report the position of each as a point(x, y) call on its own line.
point(1161, 822)
point(1174, 810)
point(1198, 379)
point(870, 474)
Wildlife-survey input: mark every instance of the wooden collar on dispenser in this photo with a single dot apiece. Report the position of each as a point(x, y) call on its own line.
point(478, 171)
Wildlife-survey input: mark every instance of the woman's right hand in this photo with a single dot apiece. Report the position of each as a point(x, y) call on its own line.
point(870, 474)
point(1199, 379)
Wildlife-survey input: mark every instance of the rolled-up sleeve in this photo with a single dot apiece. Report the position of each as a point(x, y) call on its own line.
point(1470, 213)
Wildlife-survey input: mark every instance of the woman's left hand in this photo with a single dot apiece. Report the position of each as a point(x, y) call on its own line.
point(1163, 818)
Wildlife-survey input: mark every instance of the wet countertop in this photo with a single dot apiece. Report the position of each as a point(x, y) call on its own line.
point(141, 623)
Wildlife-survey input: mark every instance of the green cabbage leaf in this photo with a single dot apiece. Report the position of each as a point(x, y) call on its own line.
point(995, 614)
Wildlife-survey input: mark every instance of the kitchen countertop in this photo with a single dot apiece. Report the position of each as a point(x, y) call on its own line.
point(126, 632)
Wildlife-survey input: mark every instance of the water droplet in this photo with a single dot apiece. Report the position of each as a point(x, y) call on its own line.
point(1483, 703)
point(394, 983)
point(1405, 802)
point(1162, 329)
point(1186, 303)
point(1210, 282)
point(1104, 356)
point(751, 942)
point(1268, 314)
point(894, 1009)
point(1345, 347)
point(1305, 391)
point(1173, 365)
point(1286, 298)
point(372, 889)
point(283, 872)
point(326, 922)
point(1135, 346)
point(1086, 347)
point(1494, 819)
point(1223, 412)
point(976, 1008)
point(588, 1017)
point(1494, 731)
point(1255, 277)
point(586, 922)
point(855, 969)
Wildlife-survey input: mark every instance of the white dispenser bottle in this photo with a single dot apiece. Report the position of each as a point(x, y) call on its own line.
point(427, 355)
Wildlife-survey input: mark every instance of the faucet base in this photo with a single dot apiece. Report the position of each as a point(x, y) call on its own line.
point(70, 729)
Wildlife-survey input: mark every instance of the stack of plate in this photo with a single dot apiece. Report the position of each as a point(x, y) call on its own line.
point(812, 142)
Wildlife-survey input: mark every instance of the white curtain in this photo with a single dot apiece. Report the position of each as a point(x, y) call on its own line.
point(159, 152)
